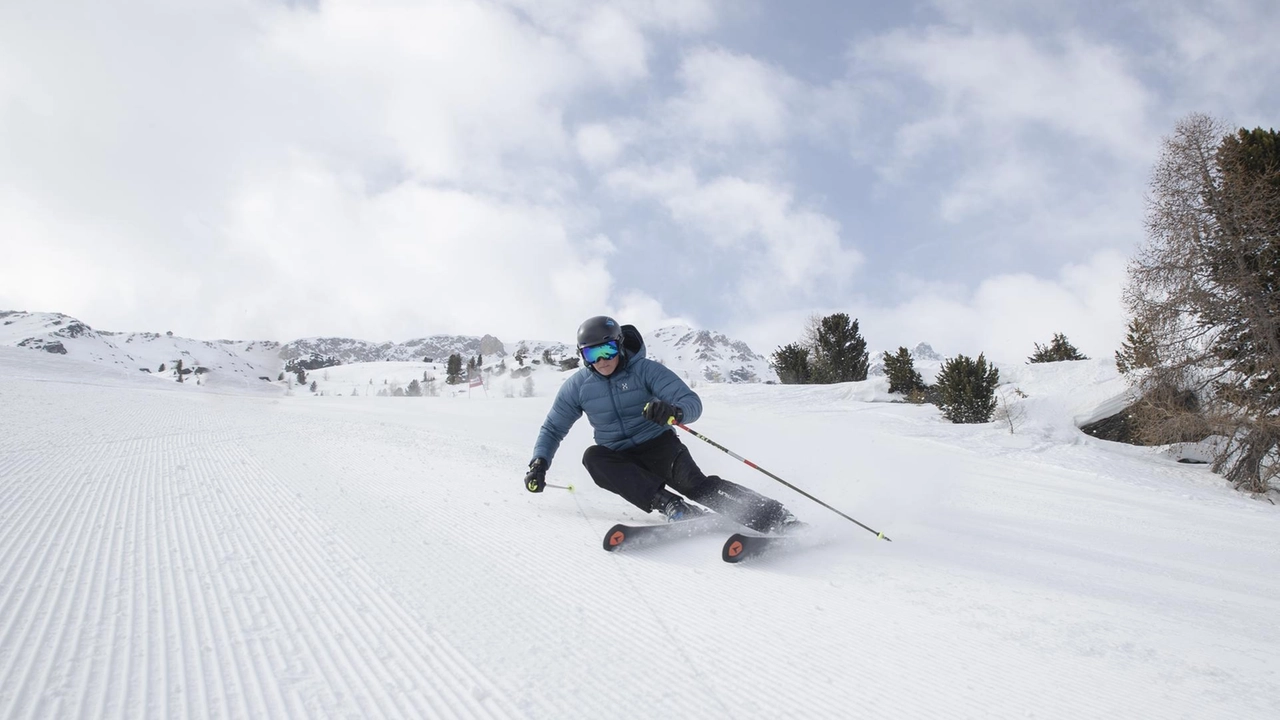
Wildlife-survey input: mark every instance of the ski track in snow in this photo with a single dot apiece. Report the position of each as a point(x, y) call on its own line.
point(173, 554)
point(164, 573)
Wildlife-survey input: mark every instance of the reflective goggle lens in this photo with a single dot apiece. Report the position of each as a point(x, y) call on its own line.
point(603, 351)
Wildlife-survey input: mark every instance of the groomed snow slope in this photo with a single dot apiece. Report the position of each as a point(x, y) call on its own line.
point(170, 552)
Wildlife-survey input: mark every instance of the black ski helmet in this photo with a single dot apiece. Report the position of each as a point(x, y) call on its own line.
point(597, 330)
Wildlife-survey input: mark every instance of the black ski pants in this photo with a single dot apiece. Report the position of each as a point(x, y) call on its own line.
point(638, 473)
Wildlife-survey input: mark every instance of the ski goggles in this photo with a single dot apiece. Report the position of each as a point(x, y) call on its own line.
point(604, 351)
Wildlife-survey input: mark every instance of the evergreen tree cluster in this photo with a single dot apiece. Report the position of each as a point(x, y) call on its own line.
point(314, 362)
point(1058, 350)
point(834, 352)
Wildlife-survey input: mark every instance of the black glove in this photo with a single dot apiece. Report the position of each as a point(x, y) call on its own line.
point(663, 412)
point(536, 479)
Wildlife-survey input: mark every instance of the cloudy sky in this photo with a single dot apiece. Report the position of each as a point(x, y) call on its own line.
point(964, 172)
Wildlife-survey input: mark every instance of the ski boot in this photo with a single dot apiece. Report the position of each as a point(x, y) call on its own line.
point(674, 508)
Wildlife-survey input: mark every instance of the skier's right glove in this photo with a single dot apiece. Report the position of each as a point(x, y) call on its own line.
point(662, 412)
point(536, 479)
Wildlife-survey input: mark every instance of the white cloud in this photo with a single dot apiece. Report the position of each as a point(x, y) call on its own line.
point(453, 91)
point(730, 98)
point(1222, 51)
point(314, 245)
point(1006, 314)
point(1007, 180)
point(791, 250)
point(610, 36)
point(38, 263)
point(682, 16)
point(995, 89)
point(598, 144)
point(614, 45)
point(645, 313)
point(367, 168)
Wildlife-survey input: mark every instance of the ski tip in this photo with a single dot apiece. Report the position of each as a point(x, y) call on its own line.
point(615, 537)
point(734, 549)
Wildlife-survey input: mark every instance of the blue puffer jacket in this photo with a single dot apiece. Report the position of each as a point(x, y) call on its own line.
point(613, 404)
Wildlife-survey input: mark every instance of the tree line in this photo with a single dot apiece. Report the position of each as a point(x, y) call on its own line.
point(833, 350)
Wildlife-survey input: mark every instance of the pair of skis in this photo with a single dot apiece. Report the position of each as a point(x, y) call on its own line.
point(740, 546)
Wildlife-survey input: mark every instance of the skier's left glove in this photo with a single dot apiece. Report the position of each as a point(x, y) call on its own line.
point(536, 479)
point(662, 412)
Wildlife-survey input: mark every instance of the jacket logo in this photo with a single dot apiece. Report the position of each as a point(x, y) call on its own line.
point(623, 386)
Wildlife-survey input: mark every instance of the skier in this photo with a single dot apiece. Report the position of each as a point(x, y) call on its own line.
point(631, 402)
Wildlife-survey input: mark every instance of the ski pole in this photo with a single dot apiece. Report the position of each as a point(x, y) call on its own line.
point(561, 487)
point(750, 464)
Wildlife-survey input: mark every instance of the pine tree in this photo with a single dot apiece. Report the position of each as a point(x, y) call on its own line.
point(179, 367)
point(453, 369)
point(903, 377)
point(302, 377)
point(313, 386)
point(415, 389)
point(967, 389)
point(1138, 349)
point(791, 362)
point(839, 351)
point(1057, 351)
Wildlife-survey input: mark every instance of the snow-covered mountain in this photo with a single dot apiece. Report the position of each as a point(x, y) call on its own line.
point(436, 347)
point(234, 361)
point(696, 355)
point(707, 356)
